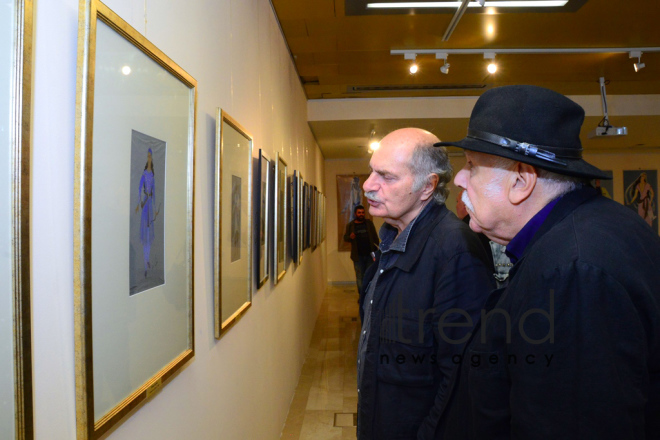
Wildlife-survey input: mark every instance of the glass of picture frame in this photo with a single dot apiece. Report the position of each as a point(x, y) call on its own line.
point(293, 216)
point(233, 222)
point(263, 249)
point(314, 220)
point(280, 227)
point(307, 202)
point(301, 218)
point(133, 219)
point(16, 417)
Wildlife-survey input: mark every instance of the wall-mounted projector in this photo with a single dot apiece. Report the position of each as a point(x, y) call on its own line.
point(604, 128)
point(608, 131)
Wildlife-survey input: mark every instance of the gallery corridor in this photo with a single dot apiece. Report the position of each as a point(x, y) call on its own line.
point(325, 402)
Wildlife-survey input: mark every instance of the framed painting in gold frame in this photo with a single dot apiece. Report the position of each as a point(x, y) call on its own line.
point(280, 217)
point(133, 219)
point(263, 203)
point(233, 222)
point(16, 417)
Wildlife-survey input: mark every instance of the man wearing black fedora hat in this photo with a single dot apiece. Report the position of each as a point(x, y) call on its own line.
point(570, 348)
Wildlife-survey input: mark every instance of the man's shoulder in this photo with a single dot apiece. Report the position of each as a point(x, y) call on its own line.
point(451, 233)
point(602, 233)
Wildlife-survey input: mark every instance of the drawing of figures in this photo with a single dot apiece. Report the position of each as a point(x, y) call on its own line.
point(640, 195)
point(146, 194)
point(147, 231)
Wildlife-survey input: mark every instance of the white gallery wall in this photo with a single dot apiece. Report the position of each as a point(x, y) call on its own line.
point(238, 387)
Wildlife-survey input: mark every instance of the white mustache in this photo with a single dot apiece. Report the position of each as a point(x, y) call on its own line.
point(371, 195)
point(466, 200)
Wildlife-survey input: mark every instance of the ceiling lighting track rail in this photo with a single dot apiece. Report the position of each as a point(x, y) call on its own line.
point(564, 50)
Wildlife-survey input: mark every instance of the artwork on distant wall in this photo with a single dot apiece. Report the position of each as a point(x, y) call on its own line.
point(280, 226)
point(233, 223)
point(147, 240)
point(641, 194)
point(349, 195)
point(606, 186)
point(314, 221)
point(307, 202)
point(235, 218)
point(301, 217)
point(293, 214)
point(264, 222)
point(133, 219)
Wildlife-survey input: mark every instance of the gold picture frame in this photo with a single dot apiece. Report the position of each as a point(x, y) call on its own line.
point(129, 343)
point(16, 420)
point(280, 218)
point(233, 222)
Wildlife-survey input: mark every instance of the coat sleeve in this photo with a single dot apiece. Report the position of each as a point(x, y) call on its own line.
point(347, 233)
point(461, 286)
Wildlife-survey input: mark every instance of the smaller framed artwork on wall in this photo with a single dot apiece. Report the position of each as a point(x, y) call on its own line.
point(293, 216)
point(301, 217)
point(280, 224)
point(233, 222)
point(641, 194)
point(263, 192)
point(314, 220)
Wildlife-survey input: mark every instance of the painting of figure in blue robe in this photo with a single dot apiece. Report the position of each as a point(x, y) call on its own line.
point(147, 232)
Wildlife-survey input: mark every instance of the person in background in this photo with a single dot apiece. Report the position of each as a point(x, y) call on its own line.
point(361, 234)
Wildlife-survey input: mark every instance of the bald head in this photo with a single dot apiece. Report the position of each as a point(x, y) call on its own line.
point(405, 140)
point(407, 172)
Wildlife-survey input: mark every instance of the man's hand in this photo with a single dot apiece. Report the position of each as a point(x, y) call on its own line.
point(352, 235)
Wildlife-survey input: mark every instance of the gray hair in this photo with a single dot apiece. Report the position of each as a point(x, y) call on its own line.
point(427, 159)
point(553, 185)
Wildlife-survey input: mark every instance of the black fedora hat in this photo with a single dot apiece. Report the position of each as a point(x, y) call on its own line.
point(529, 124)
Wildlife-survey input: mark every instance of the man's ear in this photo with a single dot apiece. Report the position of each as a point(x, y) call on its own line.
point(523, 181)
point(429, 187)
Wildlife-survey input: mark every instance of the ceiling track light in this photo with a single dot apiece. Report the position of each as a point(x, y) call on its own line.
point(443, 56)
point(638, 65)
point(492, 67)
point(411, 56)
point(633, 52)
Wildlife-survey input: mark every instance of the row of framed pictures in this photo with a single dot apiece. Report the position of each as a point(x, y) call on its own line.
point(298, 217)
point(133, 219)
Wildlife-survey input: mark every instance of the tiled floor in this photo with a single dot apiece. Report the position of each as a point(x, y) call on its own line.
point(326, 397)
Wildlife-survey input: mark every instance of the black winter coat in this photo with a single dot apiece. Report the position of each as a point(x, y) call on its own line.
point(408, 361)
point(582, 315)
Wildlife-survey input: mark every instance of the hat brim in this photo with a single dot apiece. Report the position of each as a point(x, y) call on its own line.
point(574, 167)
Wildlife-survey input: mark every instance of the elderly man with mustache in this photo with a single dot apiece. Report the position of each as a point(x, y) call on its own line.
point(570, 349)
point(424, 292)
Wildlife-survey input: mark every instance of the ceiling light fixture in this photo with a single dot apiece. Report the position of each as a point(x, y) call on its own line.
point(492, 67)
point(443, 56)
point(373, 143)
point(411, 56)
point(472, 4)
point(638, 65)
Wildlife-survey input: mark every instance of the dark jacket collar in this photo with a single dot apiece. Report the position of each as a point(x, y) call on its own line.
point(419, 234)
point(566, 205)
